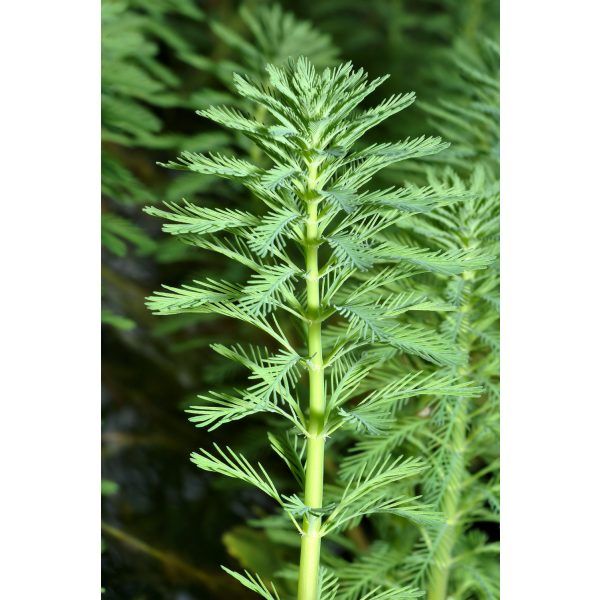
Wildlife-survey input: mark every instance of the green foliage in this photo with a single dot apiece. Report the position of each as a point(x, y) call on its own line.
point(373, 571)
point(462, 443)
point(137, 86)
point(276, 35)
point(409, 339)
point(109, 487)
point(461, 440)
point(458, 438)
point(341, 277)
point(254, 583)
point(134, 85)
point(472, 118)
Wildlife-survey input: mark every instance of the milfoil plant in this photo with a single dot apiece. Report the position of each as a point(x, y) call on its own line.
point(462, 436)
point(458, 437)
point(461, 440)
point(329, 291)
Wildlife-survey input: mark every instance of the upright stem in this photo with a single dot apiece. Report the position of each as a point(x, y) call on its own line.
point(442, 561)
point(255, 152)
point(450, 503)
point(310, 548)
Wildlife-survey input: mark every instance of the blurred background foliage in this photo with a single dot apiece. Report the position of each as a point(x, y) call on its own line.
point(167, 526)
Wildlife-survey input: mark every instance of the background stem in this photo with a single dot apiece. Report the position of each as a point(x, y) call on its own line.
point(450, 503)
point(442, 561)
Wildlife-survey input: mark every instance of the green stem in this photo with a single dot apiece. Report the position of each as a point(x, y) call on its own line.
point(310, 547)
point(255, 152)
point(450, 503)
point(442, 560)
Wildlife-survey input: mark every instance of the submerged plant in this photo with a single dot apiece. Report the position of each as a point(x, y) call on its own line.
point(331, 289)
point(462, 439)
point(458, 437)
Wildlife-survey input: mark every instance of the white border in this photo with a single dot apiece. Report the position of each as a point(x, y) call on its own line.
point(549, 299)
point(50, 187)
